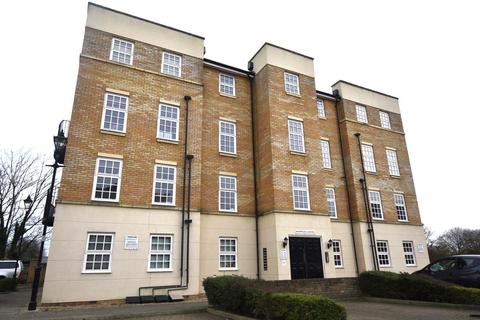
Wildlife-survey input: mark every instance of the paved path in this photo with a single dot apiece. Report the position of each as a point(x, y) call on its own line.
point(192, 316)
point(362, 310)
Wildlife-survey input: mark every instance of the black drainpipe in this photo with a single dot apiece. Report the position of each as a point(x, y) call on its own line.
point(187, 99)
point(371, 231)
point(189, 221)
point(255, 199)
point(337, 99)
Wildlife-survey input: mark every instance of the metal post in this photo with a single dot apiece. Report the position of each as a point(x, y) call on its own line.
point(38, 269)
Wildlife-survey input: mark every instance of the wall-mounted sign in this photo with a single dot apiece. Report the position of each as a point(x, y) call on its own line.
point(305, 232)
point(131, 242)
point(420, 248)
point(283, 257)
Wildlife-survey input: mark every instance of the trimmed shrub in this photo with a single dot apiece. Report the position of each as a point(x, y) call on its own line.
point(233, 293)
point(8, 284)
point(298, 306)
point(245, 296)
point(415, 287)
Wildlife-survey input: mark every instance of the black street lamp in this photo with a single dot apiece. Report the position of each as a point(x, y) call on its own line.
point(60, 142)
point(28, 206)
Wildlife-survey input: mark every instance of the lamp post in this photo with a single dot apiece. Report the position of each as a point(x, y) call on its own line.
point(28, 206)
point(60, 142)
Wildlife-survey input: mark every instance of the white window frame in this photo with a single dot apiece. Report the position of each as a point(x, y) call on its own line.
point(331, 202)
point(295, 86)
point(337, 252)
point(326, 156)
point(291, 135)
point(384, 119)
point(177, 121)
point(361, 112)
point(220, 190)
point(301, 189)
point(383, 253)
point(156, 180)
point(98, 252)
point(112, 50)
point(409, 255)
point(105, 108)
point(368, 157)
point(392, 160)
point(375, 202)
point(321, 112)
point(164, 63)
point(221, 83)
point(227, 253)
point(399, 201)
point(96, 176)
point(168, 253)
point(234, 136)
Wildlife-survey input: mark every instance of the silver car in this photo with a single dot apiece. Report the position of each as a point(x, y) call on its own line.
point(7, 268)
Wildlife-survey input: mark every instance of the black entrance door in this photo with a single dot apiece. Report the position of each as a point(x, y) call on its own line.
point(305, 258)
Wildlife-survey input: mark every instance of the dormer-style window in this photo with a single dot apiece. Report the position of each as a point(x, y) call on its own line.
point(291, 83)
point(121, 51)
point(171, 64)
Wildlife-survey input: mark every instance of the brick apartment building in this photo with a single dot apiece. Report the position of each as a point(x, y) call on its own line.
point(179, 168)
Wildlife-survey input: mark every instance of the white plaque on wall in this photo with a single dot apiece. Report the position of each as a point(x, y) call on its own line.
point(283, 257)
point(420, 248)
point(131, 242)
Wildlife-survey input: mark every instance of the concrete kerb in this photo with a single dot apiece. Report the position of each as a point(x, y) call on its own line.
point(227, 315)
point(416, 303)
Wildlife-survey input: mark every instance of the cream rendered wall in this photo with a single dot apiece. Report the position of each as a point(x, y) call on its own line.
point(342, 231)
point(214, 226)
point(282, 58)
point(65, 282)
point(127, 26)
point(394, 234)
point(368, 97)
point(268, 239)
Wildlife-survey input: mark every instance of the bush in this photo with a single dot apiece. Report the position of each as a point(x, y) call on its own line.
point(245, 296)
point(298, 306)
point(415, 287)
point(233, 293)
point(8, 284)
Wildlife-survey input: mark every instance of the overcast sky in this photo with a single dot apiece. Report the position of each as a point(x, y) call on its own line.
point(427, 53)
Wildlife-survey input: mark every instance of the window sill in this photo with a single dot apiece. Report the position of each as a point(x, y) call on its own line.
point(231, 155)
point(302, 210)
point(371, 172)
point(167, 141)
point(163, 204)
point(403, 221)
point(303, 154)
point(105, 200)
point(227, 95)
point(225, 211)
point(96, 272)
point(160, 271)
point(327, 169)
point(378, 219)
point(339, 267)
point(223, 270)
point(394, 177)
point(385, 266)
point(334, 218)
point(410, 265)
point(293, 94)
point(114, 133)
point(322, 118)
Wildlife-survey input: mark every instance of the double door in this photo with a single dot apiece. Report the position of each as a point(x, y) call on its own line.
point(305, 258)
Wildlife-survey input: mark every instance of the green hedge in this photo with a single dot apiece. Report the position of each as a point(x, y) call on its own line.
point(415, 287)
point(8, 284)
point(245, 296)
point(298, 306)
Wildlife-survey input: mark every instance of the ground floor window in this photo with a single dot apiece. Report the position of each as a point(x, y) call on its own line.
point(98, 255)
point(337, 253)
point(408, 253)
point(160, 257)
point(228, 254)
point(383, 253)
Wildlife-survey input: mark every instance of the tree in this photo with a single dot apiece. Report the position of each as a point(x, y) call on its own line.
point(452, 242)
point(21, 174)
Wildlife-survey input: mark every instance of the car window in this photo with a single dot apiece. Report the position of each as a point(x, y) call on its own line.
point(442, 265)
point(7, 264)
point(467, 262)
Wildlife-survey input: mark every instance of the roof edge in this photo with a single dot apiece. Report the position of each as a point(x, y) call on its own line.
point(356, 85)
point(145, 20)
point(226, 66)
